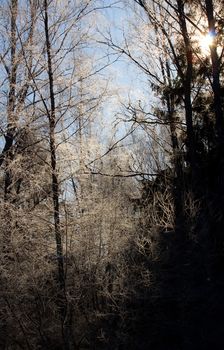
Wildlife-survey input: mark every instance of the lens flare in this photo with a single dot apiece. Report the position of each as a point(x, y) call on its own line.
point(205, 43)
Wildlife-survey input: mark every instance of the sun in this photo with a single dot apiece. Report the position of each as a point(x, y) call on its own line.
point(205, 43)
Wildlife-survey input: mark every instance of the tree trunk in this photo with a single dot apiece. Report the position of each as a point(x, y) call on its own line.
point(66, 311)
point(55, 185)
point(11, 126)
point(216, 87)
point(178, 181)
point(187, 86)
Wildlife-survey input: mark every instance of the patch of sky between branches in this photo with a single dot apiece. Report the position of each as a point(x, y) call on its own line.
point(128, 81)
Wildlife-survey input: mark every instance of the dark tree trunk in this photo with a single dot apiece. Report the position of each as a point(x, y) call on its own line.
point(216, 87)
point(11, 126)
point(187, 81)
point(178, 181)
point(55, 185)
point(66, 311)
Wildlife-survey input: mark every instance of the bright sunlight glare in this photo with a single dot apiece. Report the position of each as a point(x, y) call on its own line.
point(205, 43)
